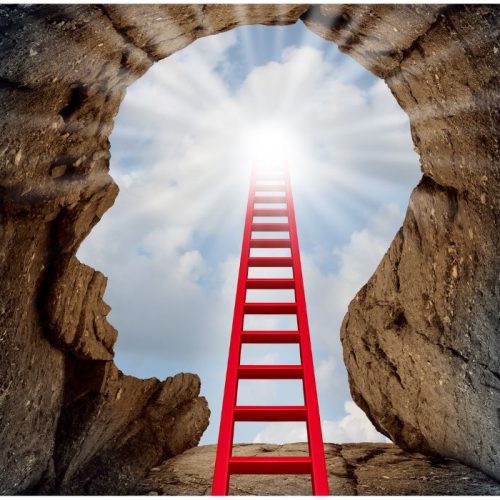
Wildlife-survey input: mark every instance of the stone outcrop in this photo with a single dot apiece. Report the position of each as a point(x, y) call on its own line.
point(65, 409)
point(420, 339)
point(76, 313)
point(111, 436)
point(353, 469)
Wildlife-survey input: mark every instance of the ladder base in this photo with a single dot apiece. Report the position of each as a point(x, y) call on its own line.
point(270, 465)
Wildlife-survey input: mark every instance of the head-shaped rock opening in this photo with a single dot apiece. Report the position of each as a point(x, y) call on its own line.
point(429, 381)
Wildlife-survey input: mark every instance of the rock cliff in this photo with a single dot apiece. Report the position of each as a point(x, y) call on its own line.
point(420, 339)
point(70, 421)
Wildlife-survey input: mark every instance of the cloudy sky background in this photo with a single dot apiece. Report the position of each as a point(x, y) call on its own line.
point(184, 141)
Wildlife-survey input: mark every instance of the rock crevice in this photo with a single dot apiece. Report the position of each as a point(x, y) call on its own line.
point(353, 469)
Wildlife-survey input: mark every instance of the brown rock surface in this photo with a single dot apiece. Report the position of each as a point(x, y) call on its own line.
point(353, 469)
point(124, 429)
point(65, 409)
point(421, 339)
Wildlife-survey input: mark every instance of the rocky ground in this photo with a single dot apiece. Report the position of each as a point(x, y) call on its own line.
point(354, 469)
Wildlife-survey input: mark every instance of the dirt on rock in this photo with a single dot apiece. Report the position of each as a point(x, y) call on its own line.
point(353, 469)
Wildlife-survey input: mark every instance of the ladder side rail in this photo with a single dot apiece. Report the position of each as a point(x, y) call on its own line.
point(316, 448)
point(220, 485)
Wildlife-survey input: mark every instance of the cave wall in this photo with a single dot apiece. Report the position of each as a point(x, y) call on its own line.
point(70, 421)
point(420, 339)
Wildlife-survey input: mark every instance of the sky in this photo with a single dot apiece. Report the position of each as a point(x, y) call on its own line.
point(184, 141)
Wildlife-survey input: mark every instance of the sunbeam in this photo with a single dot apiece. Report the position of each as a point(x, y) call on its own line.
point(186, 137)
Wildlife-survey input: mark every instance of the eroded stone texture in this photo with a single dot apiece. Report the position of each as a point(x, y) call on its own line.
point(353, 469)
point(113, 436)
point(77, 317)
point(65, 409)
point(420, 340)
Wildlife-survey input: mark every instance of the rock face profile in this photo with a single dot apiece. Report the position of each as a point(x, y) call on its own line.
point(421, 339)
point(353, 469)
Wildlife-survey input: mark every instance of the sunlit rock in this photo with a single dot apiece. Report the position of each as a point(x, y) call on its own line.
point(353, 469)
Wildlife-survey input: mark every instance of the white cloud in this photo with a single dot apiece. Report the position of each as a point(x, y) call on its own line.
point(325, 373)
point(353, 428)
point(180, 154)
point(286, 432)
point(329, 293)
point(360, 257)
point(191, 266)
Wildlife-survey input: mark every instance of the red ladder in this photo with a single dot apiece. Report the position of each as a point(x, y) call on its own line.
point(225, 463)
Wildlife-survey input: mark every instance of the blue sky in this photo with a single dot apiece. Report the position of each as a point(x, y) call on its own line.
point(183, 143)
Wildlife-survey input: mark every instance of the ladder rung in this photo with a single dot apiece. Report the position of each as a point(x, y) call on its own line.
point(270, 337)
point(270, 262)
point(269, 199)
point(270, 372)
point(269, 243)
point(270, 212)
point(270, 465)
point(270, 413)
point(270, 187)
point(270, 176)
point(270, 308)
point(270, 209)
point(270, 284)
point(270, 226)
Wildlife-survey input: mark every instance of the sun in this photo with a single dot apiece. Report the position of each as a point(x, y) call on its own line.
point(271, 145)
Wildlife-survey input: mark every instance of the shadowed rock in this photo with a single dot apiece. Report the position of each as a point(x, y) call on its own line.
point(109, 439)
point(421, 338)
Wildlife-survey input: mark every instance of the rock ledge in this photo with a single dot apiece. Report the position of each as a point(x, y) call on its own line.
point(354, 469)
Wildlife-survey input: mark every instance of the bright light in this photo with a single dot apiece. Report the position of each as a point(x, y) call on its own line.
point(271, 146)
